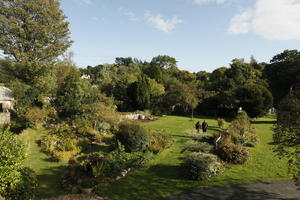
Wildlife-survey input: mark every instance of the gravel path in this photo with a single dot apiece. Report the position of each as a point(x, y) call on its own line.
point(253, 191)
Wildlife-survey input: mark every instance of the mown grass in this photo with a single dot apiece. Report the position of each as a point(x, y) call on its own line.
point(161, 177)
point(48, 172)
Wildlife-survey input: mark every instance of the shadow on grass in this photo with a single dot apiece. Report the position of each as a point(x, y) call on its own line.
point(165, 171)
point(50, 182)
point(181, 136)
point(263, 122)
point(214, 129)
point(233, 192)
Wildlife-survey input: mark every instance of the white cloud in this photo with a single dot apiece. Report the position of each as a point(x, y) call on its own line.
point(201, 2)
point(131, 15)
point(241, 23)
point(89, 2)
point(271, 19)
point(165, 25)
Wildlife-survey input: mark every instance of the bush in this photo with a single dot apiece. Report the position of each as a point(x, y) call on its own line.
point(241, 130)
point(233, 153)
point(201, 166)
point(159, 141)
point(12, 150)
point(195, 146)
point(16, 182)
point(133, 136)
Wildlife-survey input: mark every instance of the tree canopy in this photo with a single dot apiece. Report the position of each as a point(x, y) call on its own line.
point(33, 31)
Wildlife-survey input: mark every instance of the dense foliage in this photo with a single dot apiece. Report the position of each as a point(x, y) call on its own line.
point(16, 181)
point(35, 31)
point(287, 131)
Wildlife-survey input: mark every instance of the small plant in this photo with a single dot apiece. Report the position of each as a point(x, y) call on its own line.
point(133, 136)
point(221, 123)
point(201, 166)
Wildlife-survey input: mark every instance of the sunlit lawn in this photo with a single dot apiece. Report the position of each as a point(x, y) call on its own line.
point(161, 177)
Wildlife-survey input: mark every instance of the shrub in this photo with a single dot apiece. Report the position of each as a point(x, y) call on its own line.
point(16, 182)
point(12, 150)
point(159, 141)
point(221, 122)
point(201, 166)
point(241, 130)
point(233, 153)
point(133, 136)
point(195, 146)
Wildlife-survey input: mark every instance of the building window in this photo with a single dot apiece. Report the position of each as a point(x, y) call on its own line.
point(1, 107)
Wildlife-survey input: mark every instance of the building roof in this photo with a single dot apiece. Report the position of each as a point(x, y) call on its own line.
point(6, 94)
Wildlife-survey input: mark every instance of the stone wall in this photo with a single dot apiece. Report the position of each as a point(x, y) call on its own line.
point(4, 118)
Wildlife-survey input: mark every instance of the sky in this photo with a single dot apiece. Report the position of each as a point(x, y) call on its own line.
point(200, 34)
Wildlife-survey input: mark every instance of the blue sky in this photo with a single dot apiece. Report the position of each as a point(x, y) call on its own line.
point(200, 34)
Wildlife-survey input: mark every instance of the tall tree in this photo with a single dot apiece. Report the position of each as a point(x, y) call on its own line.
point(33, 31)
point(287, 130)
point(255, 99)
point(282, 73)
point(140, 93)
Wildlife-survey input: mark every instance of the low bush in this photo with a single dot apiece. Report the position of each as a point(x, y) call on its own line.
point(133, 136)
point(195, 146)
point(201, 166)
point(233, 153)
point(159, 141)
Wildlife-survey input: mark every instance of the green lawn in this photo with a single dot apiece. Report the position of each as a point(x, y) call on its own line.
point(48, 172)
point(161, 177)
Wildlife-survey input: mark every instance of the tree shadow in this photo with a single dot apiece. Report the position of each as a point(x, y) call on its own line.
point(181, 136)
point(263, 122)
point(50, 182)
point(166, 171)
point(237, 192)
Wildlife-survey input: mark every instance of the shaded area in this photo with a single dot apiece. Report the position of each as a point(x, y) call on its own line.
point(48, 172)
point(255, 191)
point(49, 180)
point(264, 122)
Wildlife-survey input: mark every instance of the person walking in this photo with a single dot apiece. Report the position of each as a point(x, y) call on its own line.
point(204, 126)
point(197, 126)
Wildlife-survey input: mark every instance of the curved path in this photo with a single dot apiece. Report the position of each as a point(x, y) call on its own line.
point(252, 191)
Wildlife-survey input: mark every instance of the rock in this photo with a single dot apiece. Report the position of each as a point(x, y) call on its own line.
point(87, 190)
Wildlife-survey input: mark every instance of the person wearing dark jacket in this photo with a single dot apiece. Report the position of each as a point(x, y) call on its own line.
point(204, 126)
point(197, 126)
